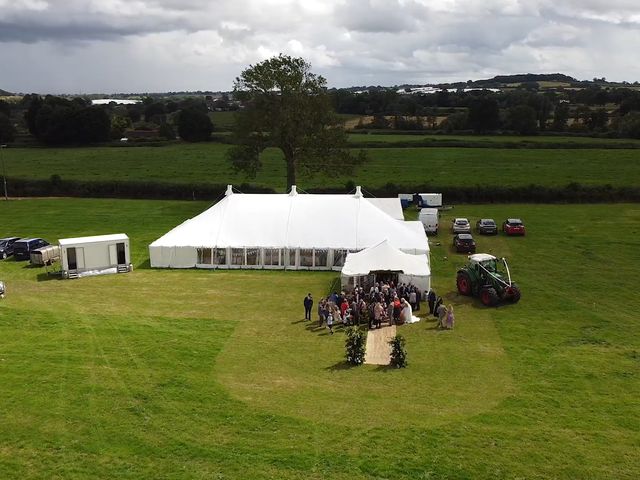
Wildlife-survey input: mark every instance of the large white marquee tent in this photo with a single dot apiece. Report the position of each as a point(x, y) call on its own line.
point(285, 231)
point(360, 268)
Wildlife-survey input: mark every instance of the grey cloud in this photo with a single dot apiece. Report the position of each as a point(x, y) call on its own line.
point(150, 45)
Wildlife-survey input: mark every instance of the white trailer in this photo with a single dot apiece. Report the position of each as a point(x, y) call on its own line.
point(430, 200)
point(96, 255)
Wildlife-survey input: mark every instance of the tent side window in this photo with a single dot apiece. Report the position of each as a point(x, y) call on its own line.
point(204, 256)
point(306, 257)
point(237, 256)
point(321, 258)
point(338, 257)
point(252, 256)
point(219, 256)
point(272, 256)
point(291, 256)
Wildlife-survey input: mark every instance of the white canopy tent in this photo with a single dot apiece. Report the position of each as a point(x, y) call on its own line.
point(291, 231)
point(360, 268)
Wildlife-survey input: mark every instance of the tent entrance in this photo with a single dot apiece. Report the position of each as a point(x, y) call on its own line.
point(386, 276)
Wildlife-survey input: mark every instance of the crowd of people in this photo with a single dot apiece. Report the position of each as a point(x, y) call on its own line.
point(384, 303)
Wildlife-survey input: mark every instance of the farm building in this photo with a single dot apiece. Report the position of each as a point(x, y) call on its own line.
point(286, 231)
point(85, 256)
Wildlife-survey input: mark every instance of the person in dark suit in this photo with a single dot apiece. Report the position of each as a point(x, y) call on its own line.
point(308, 305)
point(431, 299)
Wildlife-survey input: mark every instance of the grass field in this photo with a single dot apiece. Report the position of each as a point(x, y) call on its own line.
point(209, 374)
point(490, 139)
point(206, 163)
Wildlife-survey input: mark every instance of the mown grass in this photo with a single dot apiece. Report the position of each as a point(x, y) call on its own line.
point(206, 163)
point(202, 374)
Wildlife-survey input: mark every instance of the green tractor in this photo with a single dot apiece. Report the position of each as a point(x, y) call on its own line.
point(483, 278)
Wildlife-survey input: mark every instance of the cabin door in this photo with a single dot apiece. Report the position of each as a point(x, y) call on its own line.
point(71, 258)
point(122, 260)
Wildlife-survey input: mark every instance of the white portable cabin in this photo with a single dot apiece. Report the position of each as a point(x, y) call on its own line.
point(96, 255)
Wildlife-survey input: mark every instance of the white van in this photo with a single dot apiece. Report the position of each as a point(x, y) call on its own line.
point(429, 219)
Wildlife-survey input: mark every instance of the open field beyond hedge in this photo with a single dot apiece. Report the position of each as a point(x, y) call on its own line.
point(212, 374)
point(206, 163)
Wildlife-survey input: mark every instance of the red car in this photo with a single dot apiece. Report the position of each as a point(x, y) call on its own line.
point(513, 226)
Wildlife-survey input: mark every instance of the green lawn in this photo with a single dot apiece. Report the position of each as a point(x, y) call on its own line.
point(206, 163)
point(211, 374)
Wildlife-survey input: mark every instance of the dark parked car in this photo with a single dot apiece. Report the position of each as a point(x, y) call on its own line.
point(464, 243)
point(22, 248)
point(513, 226)
point(6, 246)
point(487, 226)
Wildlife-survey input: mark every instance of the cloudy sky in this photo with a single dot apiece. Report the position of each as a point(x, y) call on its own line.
point(85, 46)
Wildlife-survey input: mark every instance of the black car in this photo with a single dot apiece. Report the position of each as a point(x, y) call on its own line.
point(6, 246)
point(487, 226)
point(464, 243)
point(22, 248)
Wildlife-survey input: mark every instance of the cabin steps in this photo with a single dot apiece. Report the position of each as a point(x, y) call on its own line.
point(72, 275)
point(123, 268)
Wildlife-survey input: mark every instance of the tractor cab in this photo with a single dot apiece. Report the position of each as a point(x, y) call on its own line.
point(485, 265)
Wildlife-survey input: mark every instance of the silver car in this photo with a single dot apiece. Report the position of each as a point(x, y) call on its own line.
point(461, 225)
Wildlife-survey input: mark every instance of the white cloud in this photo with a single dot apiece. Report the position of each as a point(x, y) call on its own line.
point(156, 45)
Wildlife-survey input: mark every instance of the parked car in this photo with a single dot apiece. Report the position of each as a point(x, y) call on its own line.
point(464, 243)
point(6, 246)
point(461, 225)
point(22, 248)
point(487, 226)
point(513, 226)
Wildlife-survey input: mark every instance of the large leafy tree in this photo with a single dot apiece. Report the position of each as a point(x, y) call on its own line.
point(194, 125)
point(287, 106)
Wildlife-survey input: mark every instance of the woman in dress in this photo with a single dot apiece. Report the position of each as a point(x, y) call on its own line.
point(406, 315)
point(451, 319)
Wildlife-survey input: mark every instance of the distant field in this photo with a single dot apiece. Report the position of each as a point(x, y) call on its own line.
point(205, 163)
point(222, 120)
point(225, 120)
point(509, 139)
point(209, 374)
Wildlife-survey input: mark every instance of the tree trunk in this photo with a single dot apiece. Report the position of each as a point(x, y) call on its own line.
point(291, 171)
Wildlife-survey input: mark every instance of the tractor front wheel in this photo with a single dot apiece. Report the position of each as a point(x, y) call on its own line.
point(489, 297)
point(514, 293)
point(464, 283)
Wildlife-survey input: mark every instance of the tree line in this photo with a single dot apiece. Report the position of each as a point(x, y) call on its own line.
point(526, 111)
point(53, 120)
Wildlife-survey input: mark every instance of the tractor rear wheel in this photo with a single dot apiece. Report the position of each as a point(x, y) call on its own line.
point(489, 297)
point(464, 283)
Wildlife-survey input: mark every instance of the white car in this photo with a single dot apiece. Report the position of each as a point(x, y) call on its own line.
point(461, 225)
